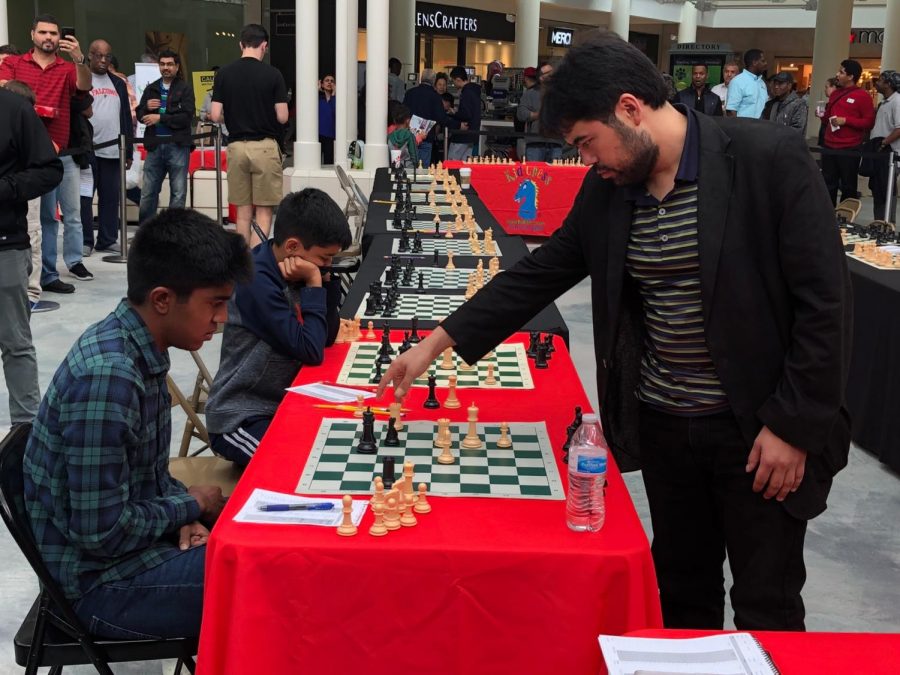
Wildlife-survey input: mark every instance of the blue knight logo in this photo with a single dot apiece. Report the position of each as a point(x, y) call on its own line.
point(527, 199)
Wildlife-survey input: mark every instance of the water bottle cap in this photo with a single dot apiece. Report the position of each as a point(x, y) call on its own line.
point(590, 418)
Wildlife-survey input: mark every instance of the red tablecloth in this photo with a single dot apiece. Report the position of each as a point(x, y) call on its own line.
point(479, 586)
point(816, 653)
point(529, 199)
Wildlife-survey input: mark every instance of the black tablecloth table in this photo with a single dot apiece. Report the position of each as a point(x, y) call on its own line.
point(873, 387)
point(549, 320)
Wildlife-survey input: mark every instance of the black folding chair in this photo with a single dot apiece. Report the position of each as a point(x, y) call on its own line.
point(52, 635)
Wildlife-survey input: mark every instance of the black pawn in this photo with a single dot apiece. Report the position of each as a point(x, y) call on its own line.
point(533, 339)
point(421, 287)
point(367, 444)
point(437, 229)
point(435, 260)
point(417, 243)
point(376, 376)
point(414, 335)
point(540, 361)
point(404, 243)
point(431, 402)
point(397, 222)
point(548, 340)
point(387, 472)
point(391, 438)
point(406, 345)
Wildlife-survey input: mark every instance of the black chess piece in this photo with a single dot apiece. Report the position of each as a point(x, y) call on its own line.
point(387, 472)
point(540, 360)
point(548, 340)
point(376, 375)
point(533, 338)
point(570, 433)
point(417, 243)
point(437, 229)
point(404, 242)
point(386, 339)
point(407, 276)
point(370, 307)
point(391, 438)
point(421, 287)
point(367, 444)
point(397, 223)
point(435, 261)
point(383, 357)
point(414, 332)
point(406, 345)
point(431, 402)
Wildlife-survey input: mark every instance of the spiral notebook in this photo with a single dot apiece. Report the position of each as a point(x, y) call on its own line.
point(728, 654)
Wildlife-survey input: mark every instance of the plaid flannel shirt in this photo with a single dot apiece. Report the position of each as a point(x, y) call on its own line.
point(102, 504)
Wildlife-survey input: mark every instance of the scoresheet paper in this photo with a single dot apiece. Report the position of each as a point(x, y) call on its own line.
point(325, 392)
point(731, 654)
point(250, 512)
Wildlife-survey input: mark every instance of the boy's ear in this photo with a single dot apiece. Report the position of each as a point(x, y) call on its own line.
point(293, 246)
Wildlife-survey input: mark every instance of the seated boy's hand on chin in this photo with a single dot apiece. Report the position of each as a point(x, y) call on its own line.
point(296, 269)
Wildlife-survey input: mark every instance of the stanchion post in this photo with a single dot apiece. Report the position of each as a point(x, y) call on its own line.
point(890, 205)
point(122, 256)
point(218, 149)
point(446, 142)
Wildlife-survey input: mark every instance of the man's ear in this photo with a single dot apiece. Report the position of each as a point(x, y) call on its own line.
point(631, 108)
point(161, 299)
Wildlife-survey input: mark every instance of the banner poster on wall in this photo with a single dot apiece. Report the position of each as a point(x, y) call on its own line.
point(203, 84)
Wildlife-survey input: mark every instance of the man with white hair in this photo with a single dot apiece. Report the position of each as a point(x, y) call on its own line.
point(424, 101)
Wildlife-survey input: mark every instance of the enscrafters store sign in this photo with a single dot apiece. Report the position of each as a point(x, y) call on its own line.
point(443, 21)
point(434, 19)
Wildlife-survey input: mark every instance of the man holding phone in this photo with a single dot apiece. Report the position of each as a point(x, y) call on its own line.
point(55, 82)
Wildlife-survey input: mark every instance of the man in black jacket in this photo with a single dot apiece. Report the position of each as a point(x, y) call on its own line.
point(167, 108)
point(29, 168)
point(722, 328)
point(468, 114)
point(425, 102)
point(699, 96)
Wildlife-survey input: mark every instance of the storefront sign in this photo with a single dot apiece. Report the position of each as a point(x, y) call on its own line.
point(283, 23)
point(559, 37)
point(867, 36)
point(436, 19)
point(709, 47)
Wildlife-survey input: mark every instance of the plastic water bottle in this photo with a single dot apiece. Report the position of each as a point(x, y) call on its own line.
point(585, 510)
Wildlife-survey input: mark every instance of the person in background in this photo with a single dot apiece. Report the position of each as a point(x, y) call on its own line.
point(699, 96)
point(425, 102)
point(468, 114)
point(885, 138)
point(167, 110)
point(113, 69)
point(29, 168)
point(396, 87)
point(441, 83)
point(729, 72)
point(747, 92)
point(529, 112)
point(830, 85)
point(849, 116)
point(787, 107)
point(401, 138)
point(327, 113)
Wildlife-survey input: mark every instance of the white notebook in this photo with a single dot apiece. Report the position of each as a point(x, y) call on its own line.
point(729, 654)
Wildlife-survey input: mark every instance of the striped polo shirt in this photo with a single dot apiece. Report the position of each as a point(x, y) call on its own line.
point(53, 86)
point(677, 372)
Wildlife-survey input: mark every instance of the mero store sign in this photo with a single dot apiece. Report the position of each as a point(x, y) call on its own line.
point(463, 22)
point(559, 37)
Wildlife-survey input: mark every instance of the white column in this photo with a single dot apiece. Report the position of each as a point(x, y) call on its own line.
point(687, 29)
point(890, 48)
point(307, 149)
point(343, 98)
point(402, 34)
point(4, 24)
point(620, 17)
point(528, 26)
point(830, 47)
point(377, 12)
point(352, 23)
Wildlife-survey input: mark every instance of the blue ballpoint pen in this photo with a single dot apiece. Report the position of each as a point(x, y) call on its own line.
point(316, 506)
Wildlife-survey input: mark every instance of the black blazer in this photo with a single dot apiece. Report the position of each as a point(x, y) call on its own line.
point(179, 112)
point(775, 289)
point(711, 103)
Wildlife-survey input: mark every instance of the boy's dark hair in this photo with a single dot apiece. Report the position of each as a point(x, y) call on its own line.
point(592, 77)
point(852, 68)
point(458, 73)
point(447, 96)
point(401, 113)
point(184, 250)
point(441, 76)
point(313, 217)
point(10, 49)
point(253, 35)
point(45, 18)
point(751, 56)
point(20, 88)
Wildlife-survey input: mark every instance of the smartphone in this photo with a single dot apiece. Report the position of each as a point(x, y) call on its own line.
point(67, 31)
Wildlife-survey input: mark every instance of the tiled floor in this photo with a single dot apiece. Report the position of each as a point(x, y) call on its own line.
point(853, 549)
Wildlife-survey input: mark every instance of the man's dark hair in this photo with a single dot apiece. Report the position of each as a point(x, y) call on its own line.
point(184, 250)
point(313, 217)
point(447, 96)
point(852, 68)
point(458, 72)
point(169, 54)
point(751, 56)
point(441, 76)
point(394, 65)
point(45, 18)
point(592, 77)
point(11, 50)
point(700, 65)
point(22, 89)
point(253, 35)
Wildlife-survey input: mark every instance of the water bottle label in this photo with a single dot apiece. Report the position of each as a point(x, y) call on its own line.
point(591, 464)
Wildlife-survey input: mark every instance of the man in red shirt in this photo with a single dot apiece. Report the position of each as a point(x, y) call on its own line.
point(54, 82)
point(849, 115)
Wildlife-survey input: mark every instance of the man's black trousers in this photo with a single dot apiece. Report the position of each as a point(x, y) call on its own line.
point(702, 505)
point(841, 172)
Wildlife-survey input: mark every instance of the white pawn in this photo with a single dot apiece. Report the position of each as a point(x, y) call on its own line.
point(347, 528)
point(447, 361)
point(504, 440)
point(422, 505)
point(450, 265)
point(378, 529)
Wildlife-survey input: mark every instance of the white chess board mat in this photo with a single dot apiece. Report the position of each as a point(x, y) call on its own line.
point(437, 277)
point(441, 209)
point(442, 245)
point(428, 226)
point(425, 306)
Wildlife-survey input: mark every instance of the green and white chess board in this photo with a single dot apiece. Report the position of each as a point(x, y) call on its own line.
point(426, 306)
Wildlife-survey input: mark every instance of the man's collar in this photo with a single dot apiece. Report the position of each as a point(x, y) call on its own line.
point(138, 332)
point(29, 56)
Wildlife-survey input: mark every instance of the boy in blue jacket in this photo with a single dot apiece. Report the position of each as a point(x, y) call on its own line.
point(280, 321)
